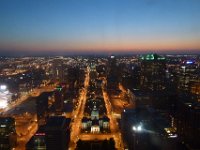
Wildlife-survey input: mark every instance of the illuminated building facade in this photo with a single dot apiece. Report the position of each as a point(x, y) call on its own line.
point(95, 124)
point(188, 76)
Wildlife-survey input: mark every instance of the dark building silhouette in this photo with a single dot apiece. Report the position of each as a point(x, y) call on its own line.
point(8, 136)
point(152, 135)
point(101, 69)
point(58, 70)
point(153, 70)
point(96, 145)
point(74, 77)
point(113, 74)
point(59, 95)
point(42, 107)
point(57, 132)
point(131, 77)
point(188, 121)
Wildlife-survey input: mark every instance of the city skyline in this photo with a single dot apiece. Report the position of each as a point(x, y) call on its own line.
point(114, 103)
point(40, 27)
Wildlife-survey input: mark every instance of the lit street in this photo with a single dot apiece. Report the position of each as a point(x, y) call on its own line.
point(77, 114)
point(113, 122)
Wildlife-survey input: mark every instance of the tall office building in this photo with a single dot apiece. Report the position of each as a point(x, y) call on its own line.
point(153, 70)
point(73, 77)
point(188, 121)
point(113, 74)
point(59, 98)
point(57, 132)
point(8, 136)
point(42, 107)
point(58, 70)
point(188, 76)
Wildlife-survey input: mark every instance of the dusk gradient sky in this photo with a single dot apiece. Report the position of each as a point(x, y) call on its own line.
point(99, 25)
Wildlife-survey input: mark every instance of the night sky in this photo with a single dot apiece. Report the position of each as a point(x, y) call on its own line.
point(99, 25)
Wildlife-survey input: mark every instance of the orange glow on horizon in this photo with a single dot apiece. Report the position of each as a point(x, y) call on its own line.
point(106, 45)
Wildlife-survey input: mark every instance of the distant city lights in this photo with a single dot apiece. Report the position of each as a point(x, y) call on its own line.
point(189, 62)
point(112, 57)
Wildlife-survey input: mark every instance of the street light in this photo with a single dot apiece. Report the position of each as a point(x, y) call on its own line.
point(136, 129)
point(3, 87)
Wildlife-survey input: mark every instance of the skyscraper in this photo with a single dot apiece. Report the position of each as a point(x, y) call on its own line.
point(153, 68)
point(188, 75)
point(113, 74)
point(58, 70)
point(57, 133)
point(188, 121)
point(59, 98)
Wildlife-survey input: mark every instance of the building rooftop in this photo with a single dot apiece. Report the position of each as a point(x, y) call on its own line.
point(7, 126)
point(95, 122)
point(57, 122)
point(7, 120)
point(40, 131)
point(152, 57)
point(106, 119)
point(84, 119)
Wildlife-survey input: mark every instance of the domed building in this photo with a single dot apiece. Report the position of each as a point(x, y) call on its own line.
point(95, 124)
point(95, 113)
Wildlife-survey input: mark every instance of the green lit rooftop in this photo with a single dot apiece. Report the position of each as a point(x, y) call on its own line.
point(152, 57)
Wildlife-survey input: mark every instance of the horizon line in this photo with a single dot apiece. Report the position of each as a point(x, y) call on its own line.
point(23, 53)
